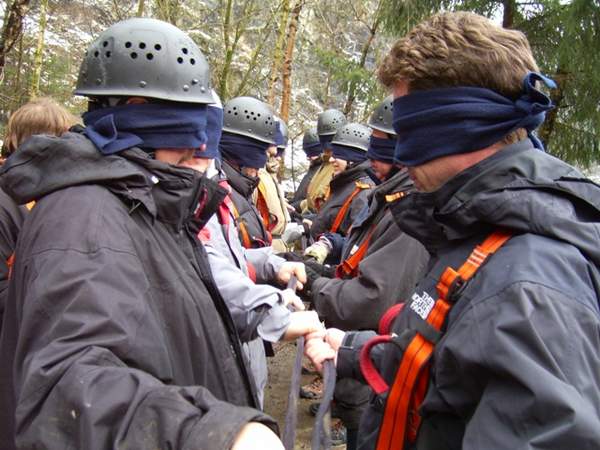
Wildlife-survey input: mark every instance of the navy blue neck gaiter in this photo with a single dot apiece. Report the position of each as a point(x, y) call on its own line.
point(243, 151)
point(214, 126)
point(349, 154)
point(440, 122)
point(325, 141)
point(381, 149)
point(147, 125)
point(313, 149)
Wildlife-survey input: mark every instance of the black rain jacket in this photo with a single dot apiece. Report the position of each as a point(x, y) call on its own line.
point(519, 365)
point(115, 335)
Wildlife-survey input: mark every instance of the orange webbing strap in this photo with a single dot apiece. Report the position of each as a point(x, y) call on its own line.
point(346, 206)
point(10, 262)
point(401, 419)
point(349, 267)
point(263, 209)
point(246, 241)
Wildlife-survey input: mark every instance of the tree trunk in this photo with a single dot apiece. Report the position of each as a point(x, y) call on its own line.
point(34, 85)
point(278, 52)
point(363, 60)
point(167, 10)
point(140, 8)
point(546, 131)
point(508, 16)
point(286, 93)
point(228, 50)
point(11, 29)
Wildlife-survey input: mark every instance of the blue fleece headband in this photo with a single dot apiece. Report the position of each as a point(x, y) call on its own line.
point(147, 125)
point(214, 127)
point(243, 151)
point(312, 149)
point(440, 122)
point(381, 149)
point(349, 154)
point(325, 141)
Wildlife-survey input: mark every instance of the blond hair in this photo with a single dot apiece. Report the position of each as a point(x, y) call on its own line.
point(40, 116)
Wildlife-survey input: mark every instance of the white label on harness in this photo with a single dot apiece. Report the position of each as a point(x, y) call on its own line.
point(422, 304)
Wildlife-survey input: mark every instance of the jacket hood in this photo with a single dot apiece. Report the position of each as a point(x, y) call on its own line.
point(44, 164)
point(519, 188)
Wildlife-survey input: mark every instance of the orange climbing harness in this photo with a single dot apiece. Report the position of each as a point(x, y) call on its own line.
point(401, 419)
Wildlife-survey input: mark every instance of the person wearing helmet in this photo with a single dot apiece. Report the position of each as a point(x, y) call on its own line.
point(259, 310)
point(312, 149)
point(268, 196)
point(249, 129)
point(328, 123)
point(379, 263)
point(115, 333)
point(348, 188)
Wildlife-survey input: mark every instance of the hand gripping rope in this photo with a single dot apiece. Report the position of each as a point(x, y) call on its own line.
point(321, 436)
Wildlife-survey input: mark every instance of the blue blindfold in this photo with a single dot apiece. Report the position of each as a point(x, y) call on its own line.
point(440, 122)
point(147, 125)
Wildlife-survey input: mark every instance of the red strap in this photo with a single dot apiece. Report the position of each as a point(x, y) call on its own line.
point(385, 323)
point(401, 419)
point(370, 373)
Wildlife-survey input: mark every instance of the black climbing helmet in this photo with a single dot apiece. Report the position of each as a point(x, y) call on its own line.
point(248, 116)
point(383, 116)
point(353, 135)
point(146, 58)
point(310, 138)
point(330, 121)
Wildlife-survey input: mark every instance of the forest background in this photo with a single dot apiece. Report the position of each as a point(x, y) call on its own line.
point(303, 56)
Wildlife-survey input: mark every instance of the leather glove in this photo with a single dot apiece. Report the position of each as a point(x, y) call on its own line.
point(322, 269)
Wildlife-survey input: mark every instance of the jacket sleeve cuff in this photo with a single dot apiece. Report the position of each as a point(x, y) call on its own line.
point(212, 431)
point(348, 358)
point(275, 323)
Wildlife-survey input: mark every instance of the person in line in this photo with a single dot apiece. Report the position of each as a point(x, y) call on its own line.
point(115, 334)
point(348, 189)
point(268, 196)
point(312, 149)
point(40, 116)
point(498, 345)
point(259, 311)
point(380, 264)
point(328, 124)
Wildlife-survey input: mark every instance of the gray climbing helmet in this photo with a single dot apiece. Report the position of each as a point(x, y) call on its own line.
point(146, 58)
point(284, 132)
point(248, 116)
point(383, 116)
point(330, 121)
point(310, 138)
point(353, 135)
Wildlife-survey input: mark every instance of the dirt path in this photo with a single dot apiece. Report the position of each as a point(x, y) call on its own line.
point(280, 371)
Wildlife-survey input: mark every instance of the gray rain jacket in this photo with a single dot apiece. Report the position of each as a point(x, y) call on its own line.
point(340, 188)
point(115, 332)
point(388, 272)
point(519, 365)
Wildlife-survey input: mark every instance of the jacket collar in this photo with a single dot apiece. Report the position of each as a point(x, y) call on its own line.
point(519, 188)
point(239, 182)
